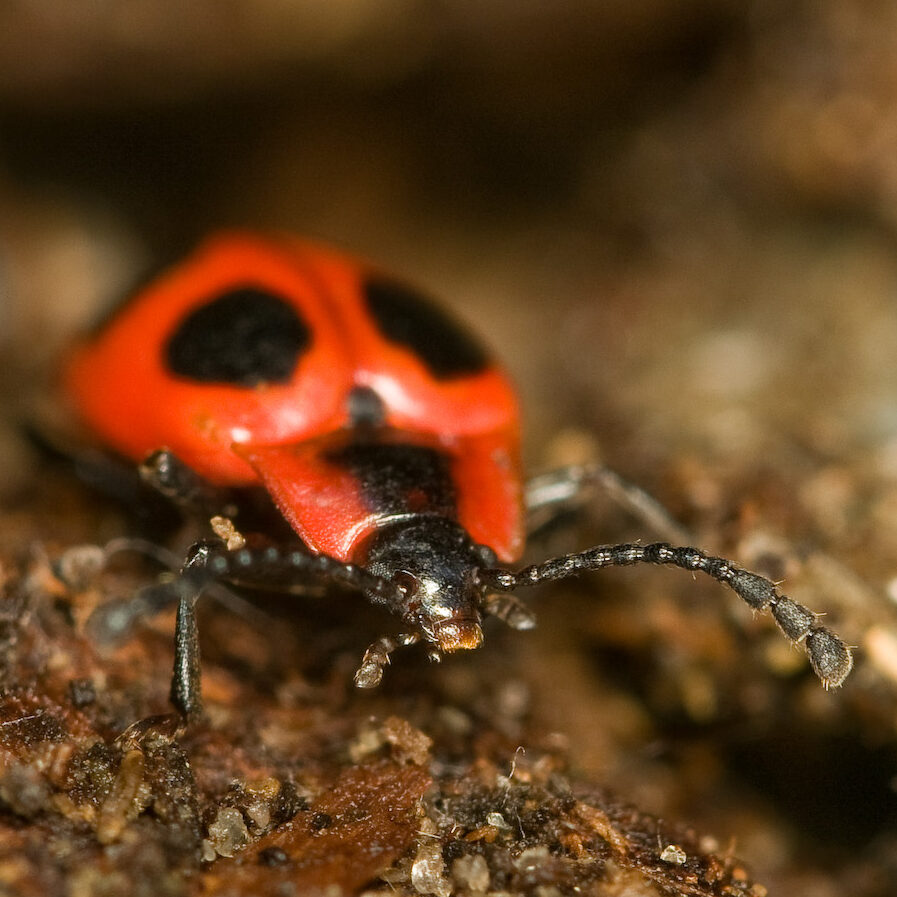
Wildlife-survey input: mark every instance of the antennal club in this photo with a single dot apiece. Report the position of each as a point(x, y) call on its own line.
point(829, 655)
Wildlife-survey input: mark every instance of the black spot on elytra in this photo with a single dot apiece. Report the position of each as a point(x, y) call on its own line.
point(244, 337)
point(397, 478)
point(440, 342)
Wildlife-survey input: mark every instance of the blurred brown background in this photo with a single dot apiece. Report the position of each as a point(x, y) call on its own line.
point(676, 223)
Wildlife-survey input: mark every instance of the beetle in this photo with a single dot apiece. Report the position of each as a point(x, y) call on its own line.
point(380, 428)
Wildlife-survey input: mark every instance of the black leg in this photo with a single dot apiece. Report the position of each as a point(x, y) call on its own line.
point(550, 494)
point(210, 563)
point(186, 692)
point(186, 688)
point(109, 475)
point(180, 484)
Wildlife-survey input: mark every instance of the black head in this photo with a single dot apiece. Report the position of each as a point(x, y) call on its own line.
point(435, 563)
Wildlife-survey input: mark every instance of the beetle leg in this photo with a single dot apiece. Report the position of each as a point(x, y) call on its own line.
point(171, 477)
point(548, 495)
point(209, 569)
point(209, 563)
point(186, 691)
point(104, 472)
point(186, 687)
point(113, 619)
point(376, 658)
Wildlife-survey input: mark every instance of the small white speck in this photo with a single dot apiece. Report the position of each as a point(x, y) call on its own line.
point(673, 854)
point(428, 872)
point(497, 820)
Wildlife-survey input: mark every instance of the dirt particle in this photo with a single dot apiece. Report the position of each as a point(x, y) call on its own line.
point(428, 872)
point(273, 856)
point(129, 796)
point(228, 833)
point(673, 854)
point(471, 872)
point(409, 744)
point(82, 693)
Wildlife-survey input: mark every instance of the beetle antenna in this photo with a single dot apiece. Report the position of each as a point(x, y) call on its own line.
point(258, 566)
point(829, 655)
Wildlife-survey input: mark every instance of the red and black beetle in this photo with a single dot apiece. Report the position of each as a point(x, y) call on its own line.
point(382, 430)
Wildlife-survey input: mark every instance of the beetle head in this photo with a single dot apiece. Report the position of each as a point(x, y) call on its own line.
point(434, 562)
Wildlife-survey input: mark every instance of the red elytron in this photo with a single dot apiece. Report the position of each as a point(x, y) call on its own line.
point(380, 428)
point(236, 427)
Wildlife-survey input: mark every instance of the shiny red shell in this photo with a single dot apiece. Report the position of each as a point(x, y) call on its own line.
point(277, 433)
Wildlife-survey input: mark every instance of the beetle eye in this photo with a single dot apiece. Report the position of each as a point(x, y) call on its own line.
point(408, 584)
